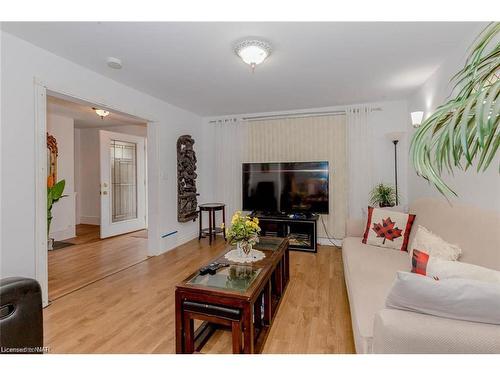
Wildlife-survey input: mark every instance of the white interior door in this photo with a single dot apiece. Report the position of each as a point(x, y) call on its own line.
point(123, 183)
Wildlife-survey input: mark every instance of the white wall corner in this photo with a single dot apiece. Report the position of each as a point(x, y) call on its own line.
point(90, 220)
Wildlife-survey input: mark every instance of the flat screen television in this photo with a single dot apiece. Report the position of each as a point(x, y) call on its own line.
point(300, 187)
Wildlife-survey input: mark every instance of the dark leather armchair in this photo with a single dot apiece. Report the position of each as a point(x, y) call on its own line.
point(21, 320)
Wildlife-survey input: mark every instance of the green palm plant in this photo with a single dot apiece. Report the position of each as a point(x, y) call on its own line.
point(466, 128)
point(383, 196)
point(54, 193)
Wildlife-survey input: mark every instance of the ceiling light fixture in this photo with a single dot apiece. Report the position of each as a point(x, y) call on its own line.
point(253, 51)
point(101, 112)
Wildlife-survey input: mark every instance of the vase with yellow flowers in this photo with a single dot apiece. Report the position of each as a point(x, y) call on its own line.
point(243, 232)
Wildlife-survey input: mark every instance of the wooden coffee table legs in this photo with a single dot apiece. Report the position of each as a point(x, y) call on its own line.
point(191, 341)
point(267, 305)
point(248, 332)
point(189, 334)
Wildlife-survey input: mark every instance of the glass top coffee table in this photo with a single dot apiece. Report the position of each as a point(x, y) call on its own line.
point(234, 277)
point(242, 297)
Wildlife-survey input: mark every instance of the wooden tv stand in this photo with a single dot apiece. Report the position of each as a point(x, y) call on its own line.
point(301, 230)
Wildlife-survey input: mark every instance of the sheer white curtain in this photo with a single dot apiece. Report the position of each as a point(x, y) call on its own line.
point(228, 149)
point(359, 159)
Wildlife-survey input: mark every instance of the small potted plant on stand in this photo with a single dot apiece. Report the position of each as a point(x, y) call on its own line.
point(244, 233)
point(54, 193)
point(383, 196)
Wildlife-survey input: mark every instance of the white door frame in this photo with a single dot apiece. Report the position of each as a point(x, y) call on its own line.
point(40, 130)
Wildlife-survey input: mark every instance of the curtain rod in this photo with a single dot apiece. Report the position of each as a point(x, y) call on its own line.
point(289, 116)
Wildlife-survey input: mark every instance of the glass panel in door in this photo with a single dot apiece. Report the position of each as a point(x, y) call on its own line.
point(123, 180)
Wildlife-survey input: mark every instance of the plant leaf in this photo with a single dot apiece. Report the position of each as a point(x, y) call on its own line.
point(466, 126)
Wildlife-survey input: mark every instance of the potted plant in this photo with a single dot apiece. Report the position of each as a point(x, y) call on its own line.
point(54, 193)
point(383, 196)
point(464, 131)
point(243, 232)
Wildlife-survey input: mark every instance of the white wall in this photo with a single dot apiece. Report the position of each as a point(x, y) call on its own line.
point(140, 131)
point(478, 189)
point(22, 64)
point(77, 176)
point(87, 164)
point(63, 211)
point(394, 117)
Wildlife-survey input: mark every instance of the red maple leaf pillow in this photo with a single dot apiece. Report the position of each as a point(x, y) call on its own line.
point(386, 228)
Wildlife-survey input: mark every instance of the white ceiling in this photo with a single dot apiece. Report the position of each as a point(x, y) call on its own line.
point(193, 66)
point(85, 117)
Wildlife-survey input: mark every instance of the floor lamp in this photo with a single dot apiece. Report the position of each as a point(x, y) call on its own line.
point(395, 137)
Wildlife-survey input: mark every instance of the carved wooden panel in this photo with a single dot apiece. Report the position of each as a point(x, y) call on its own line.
point(187, 203)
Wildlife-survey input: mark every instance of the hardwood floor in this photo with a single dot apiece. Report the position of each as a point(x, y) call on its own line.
point(132, 311)
point(91, 259)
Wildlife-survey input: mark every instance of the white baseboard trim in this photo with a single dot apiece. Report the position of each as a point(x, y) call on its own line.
point(325, 241)
point(91, 220)
point(64, 234)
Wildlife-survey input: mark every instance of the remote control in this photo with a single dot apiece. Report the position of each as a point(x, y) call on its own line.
point(212, 268)
point(204, 270)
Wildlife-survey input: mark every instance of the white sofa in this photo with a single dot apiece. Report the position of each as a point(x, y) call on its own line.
point(370, 271)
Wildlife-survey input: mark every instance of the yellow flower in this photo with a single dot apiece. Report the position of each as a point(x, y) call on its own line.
point(235, 218)
point(222, 226)
point(256, 220)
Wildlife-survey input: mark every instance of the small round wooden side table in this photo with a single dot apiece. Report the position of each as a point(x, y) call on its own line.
point(212, 229)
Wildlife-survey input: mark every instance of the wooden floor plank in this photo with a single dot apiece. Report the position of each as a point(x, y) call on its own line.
point(132, 311)
point(91, 259)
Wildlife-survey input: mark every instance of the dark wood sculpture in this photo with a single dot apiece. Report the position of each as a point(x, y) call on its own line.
point(186, 180)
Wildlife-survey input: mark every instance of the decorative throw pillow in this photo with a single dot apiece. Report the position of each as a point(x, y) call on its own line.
point(440, 269)
point(462, 299)
point(386, 228)
point(433, 245)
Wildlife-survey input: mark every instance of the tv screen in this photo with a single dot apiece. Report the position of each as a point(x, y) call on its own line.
point(300, 187)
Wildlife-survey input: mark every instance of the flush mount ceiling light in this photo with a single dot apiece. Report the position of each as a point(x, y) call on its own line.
point(100, 112)
point(253, 51)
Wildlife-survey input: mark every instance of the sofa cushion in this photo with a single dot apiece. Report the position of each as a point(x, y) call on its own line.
point(434, 245)
point(474, 230)
point(399, 331)
point(440, 269)
point(386, 228)
point(369, 273)
point(462, 299)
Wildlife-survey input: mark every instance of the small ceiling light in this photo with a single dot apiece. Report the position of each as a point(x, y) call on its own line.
point(101, 112)
point(253, 51)
point(416, 118)
point(114, 63)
